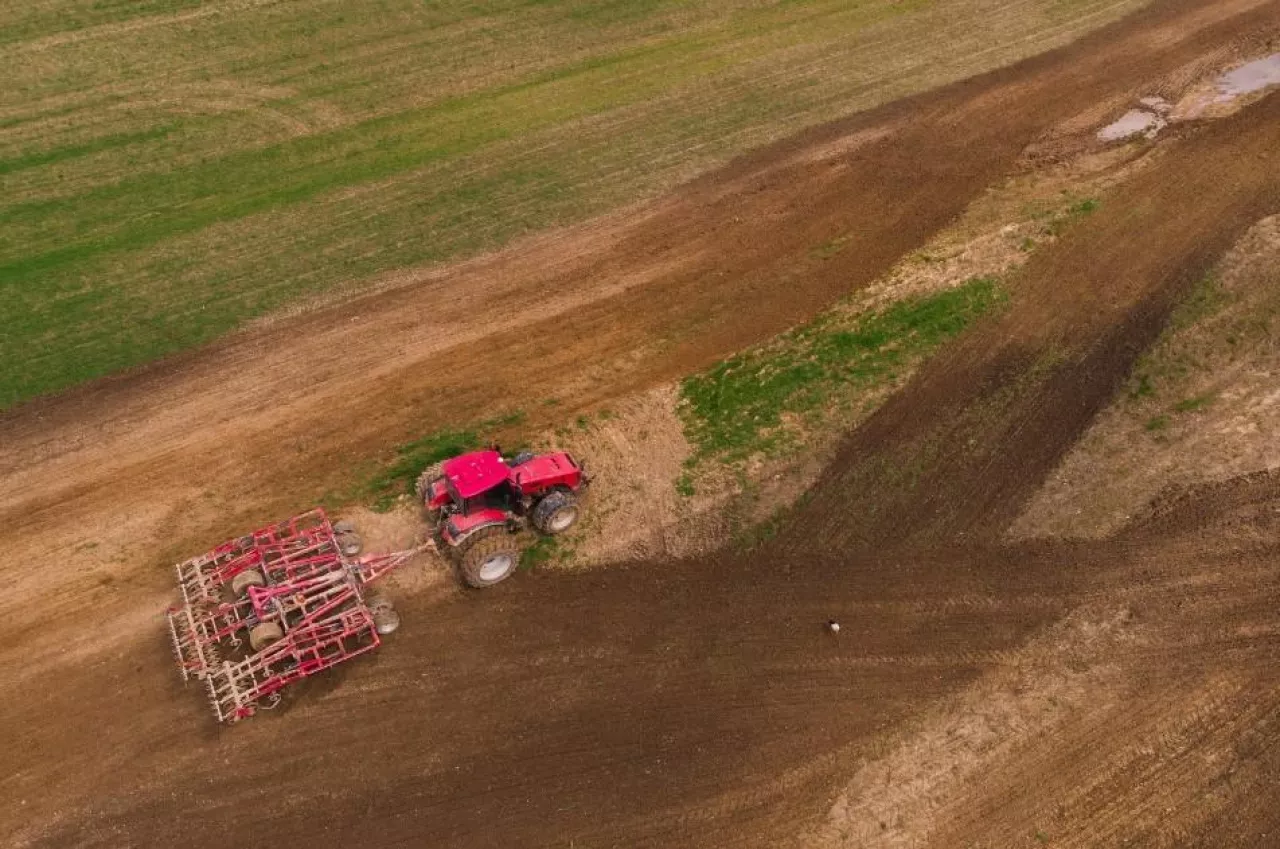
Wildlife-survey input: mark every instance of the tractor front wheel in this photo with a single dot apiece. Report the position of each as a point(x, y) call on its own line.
point(488, 559)
point(429, 476)
point(555, 513)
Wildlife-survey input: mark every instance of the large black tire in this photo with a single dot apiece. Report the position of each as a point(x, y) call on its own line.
point(556, 513)
point(429, 476)
point(489, 557)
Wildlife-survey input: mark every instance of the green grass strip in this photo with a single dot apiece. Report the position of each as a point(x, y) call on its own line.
point(738, 407)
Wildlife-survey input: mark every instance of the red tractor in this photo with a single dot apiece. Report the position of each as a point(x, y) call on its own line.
point(479, 502)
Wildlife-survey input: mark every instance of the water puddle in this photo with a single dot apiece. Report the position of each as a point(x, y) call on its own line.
point(1153, 114)
point(1132, 123)
point(1247, 79)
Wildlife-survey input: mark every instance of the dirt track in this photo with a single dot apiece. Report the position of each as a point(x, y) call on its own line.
point(694, 703)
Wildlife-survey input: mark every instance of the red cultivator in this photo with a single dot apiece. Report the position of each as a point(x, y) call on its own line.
point(266, 609)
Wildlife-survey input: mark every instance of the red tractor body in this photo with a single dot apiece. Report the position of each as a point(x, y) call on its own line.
point(477, 499)
point(475, 474)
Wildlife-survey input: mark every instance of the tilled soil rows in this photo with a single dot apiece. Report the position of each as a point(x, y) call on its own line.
point(699, 702)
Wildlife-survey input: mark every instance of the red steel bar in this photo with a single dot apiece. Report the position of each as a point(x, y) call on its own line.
point(309, 613)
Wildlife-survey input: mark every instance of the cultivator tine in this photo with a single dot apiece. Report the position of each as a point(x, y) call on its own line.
point(229, 700)
point(181, 645)
point(189, 581)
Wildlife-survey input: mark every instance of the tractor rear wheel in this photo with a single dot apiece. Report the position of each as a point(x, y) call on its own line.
point(555, 513)
point(429, 476)
point(489, 557)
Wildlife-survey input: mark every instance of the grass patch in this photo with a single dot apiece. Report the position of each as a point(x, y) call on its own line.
point(684, 484)
point(1206, 299)
point(543, 551)
point(1156, 424)
point(1190, 405)
point(745, 405)
point(829, 249)
point(1088, 206)
point(1142, 387)
point(762, 532)
point(1062, 219)
point(1168, 363)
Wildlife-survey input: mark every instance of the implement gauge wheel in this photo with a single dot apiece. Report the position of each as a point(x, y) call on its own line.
point(248, 578)
point(349, 543)
point(487, 558)
point(264, 634)
point(385, 618)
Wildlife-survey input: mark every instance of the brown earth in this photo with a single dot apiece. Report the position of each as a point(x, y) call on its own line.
point(698, 702)
point(1201, 407)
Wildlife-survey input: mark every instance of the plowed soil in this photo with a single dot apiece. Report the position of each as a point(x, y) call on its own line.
point(1121, 692)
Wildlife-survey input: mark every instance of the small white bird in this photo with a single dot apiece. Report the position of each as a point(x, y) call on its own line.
point(833, 626)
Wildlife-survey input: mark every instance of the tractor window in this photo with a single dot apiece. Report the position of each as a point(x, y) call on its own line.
point(498, 498)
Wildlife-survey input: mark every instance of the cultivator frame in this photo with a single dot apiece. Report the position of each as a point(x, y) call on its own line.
point(309, 604)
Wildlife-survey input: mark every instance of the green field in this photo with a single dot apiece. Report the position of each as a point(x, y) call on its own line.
point(170, 169)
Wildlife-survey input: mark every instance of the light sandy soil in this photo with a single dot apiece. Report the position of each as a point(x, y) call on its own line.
point(1212, 412)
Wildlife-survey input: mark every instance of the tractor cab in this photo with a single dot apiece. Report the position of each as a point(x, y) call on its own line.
point(477, 481)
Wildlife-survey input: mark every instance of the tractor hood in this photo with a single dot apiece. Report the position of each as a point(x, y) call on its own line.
point(545, 470)
point(475, 473)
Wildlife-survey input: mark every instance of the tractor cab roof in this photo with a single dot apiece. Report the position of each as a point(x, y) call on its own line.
point(475, 473)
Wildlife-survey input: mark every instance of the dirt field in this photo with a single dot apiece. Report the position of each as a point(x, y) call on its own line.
point(981, 693)
point(1200, 407)
point(172, 169)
